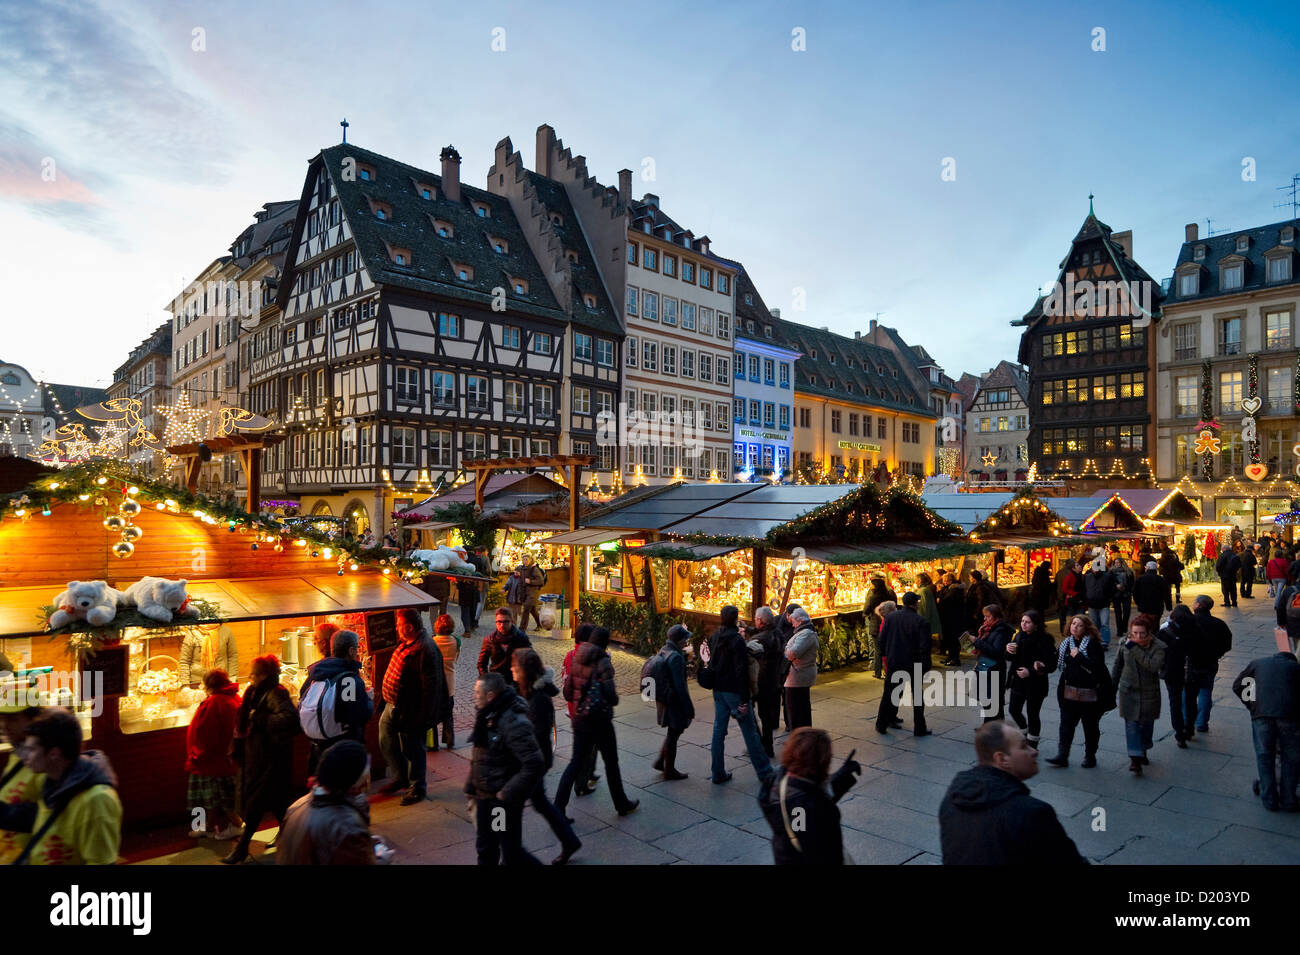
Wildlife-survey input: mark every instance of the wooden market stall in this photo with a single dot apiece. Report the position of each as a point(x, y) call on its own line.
point(247, 580)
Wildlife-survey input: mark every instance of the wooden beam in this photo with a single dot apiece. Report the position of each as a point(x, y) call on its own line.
point(193, 468)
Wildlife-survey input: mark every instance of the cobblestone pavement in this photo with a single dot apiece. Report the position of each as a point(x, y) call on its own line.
point(1191, 806)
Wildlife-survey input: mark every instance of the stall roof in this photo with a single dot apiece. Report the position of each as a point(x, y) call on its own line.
point(1150, 502)
point(256, 598)
point(967, 511)
point(532, 485)
point(901, 551)
point(1076, 510)
point(675, 503)
point(586, 537)
point(763, 508)
point(682, 550)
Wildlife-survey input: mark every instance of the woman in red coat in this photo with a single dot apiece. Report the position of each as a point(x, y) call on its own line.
point(212, 770)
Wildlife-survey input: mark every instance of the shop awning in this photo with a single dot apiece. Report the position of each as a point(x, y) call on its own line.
point(899, 551)
point(431, 526)
point(587, 537)
point(258, 598)
point(538, 526)
point(682, 550)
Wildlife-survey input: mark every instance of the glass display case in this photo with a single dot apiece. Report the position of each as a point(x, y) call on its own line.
point(510, 554)
point(41, 672)
point(706, 586)
point(610, 571)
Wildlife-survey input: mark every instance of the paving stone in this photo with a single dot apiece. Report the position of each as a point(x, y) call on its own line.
point(1150, 850)
point(895, 823)
point(909, 792)
point(925, 858)
point(866, 848)
point(1248, 846)
point(921, 765)
point(716, 843)
point(1225, 808)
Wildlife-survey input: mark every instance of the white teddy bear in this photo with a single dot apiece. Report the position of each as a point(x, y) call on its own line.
point(444, 558)
point(93, 601)
point(159, 599)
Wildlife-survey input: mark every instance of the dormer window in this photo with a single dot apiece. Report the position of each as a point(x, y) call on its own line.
point(1279, 268)
point(519, 285)
point(444, 229)
point(1189, 283)
point(767, 333)
point(557, 219)
point(850, 362)
point(463, 272)
point(831, 356)
point(813, 356)
point(382, 210)
point(848, 386)
point(589, 301)
point(482, 210)
point(1198, 253)
point(749, 325)
point(1231, 276)
point(498, 245)
point(1243, 243)
point(571, 256)
point(749, 299)
point(400, 256)
point(426, 191)
point(1288, 235)
point(366, 173)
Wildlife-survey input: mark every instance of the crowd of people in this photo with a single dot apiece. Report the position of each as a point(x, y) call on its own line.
point(58, 804)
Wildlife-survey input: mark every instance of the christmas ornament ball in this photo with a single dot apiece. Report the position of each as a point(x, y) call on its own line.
point(129, 508)
point(115, 523)
point(123, 549)
point(132, 533)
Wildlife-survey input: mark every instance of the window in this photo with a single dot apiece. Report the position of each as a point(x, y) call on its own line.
point(581, 346)
point(688, 316)
point(724, 284)
point(1187, 341)
point(1133, 384)
point(649, 404)
point(805, 418)
point(1279, 384)
point(631, 253)
point(853, 423)
point(444, 389)
point(650, 306)
point(688, 363)
point(1131, 437)
point(985, 424)
point(706, 277)
point(542, 343)
point(476, 393)
point(1230, 276)
point(1243, 243)
point(514, 397)
point(724, 326)
point(723, 368)
point(738, 410)
point(688, 271)
point(1003, 425)
point(706, 414)
point(1230, 336)
point(448, 325)
point(630, 353)
point(631, 300)
point(1277, 329)
point(1188, 284)
point(1279, 269)
point(785, 374)
point(512, 447)
point(510, 337)
point(1187, 395)
point(706, 321)
point(604, 402)
point(440, 449)
point(605, 352)
point(769, 414)
point(1229, 391)
point(835, 422)
point(753, 368)
point(670, 360)
point(408, 384)
point(739, 364)
point(475, 445)
point(706, 367)
point(722, 417)
point(444, 229)
point(650, 259)
point(769, 371)
point(670, 265)
point(912, 432)
point(882, 427)
point(785, 417)
point(755, 412)
point(544, 401)
point(649, 356)
point(482, 210)
point(404, 447)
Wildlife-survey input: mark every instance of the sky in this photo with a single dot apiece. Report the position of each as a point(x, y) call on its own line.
point(137, 140)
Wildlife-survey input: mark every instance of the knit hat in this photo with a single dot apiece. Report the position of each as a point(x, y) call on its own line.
point(910, 599)
point(342, 765)
point(678, 634)
point(1152, 565)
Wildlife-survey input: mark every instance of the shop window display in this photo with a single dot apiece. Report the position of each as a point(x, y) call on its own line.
point(706, 586)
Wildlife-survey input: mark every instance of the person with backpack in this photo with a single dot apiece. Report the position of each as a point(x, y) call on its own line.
point(210, 790)
point(1122, 603)
point(726, 673)
point(590, 684)
point(1228, 567)
point(333, 701)
point(1203, 662)
point(587, 773)
point(444, 636)
point(801, 652)
point(537, 687)
point(331, 824)
point(767, 649)
point(1287, 606)
point(665, 672)
point(1099, 590)
point(413, 691)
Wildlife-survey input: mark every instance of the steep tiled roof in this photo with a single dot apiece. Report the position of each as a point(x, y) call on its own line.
point(586, 277)
point(411, 227)
point(968, 385)
point(1003, 375)
point(1261, 239)
point(71, 397)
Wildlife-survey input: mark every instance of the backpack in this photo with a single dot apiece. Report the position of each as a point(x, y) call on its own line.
point(593, 702)
point(655, 675)
point(1293, 605)
point(318, 710)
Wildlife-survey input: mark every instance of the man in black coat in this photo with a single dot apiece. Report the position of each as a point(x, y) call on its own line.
point(728, 663)
point(674, 709)
point(1171, 569)
point(1228, 566)
point(1270, 688)
point(413, 690)
point(988, 816)
point(770, 679)
point(505, 768)
point(1203, 663)
point(906, 636)
point(1151, 593)
point(499, 646)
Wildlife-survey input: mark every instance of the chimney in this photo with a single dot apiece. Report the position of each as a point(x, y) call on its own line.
point(450, 173)
point(651, 199)
point(857, 336)
point(1190, 232)
point(873, 324)
point(625, 185)
point(1125, 241)
point(545, 140)
point(776, 313)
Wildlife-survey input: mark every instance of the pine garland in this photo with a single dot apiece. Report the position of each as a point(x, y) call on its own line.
point(1253, 375)
point(1207, 414)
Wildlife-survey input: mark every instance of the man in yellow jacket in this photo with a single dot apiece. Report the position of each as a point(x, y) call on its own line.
point(78, 820)
point(18, 784)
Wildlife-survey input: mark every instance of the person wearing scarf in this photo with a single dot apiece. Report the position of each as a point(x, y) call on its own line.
point(1081, 690)
point(991, 648)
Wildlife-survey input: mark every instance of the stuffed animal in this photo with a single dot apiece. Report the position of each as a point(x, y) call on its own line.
point(93, 601)
point(444, 558)
point(159, 599)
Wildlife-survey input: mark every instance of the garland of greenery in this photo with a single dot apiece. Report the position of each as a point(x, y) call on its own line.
point(1207, 416)
point(475, 529)
point(88, 640)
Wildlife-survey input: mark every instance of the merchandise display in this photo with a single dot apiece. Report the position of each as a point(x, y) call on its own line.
point(510, 554)
point(707, 586)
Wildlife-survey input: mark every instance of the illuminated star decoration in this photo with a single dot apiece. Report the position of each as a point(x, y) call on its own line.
point(182, 424)
point(989, 459)
point(1207, 443)
point(112, 439)
point(70, 445)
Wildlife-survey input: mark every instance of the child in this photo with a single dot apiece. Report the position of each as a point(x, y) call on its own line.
point(211, 789)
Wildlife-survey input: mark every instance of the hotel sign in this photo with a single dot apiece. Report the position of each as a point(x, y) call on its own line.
point(762, 435)
point(859, 446)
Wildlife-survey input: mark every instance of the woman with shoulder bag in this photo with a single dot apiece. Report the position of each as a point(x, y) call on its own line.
point(1136, 675)
point(1031, 656)
point(1083, 690)
point(991, 660)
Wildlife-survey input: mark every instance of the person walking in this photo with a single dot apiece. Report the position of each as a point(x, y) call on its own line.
point(448, 644)
point(533, 578)
point(728, 666)
point(1122, 603)
point(499, 646)
point(1228, 567)
point(516, 592)
point(1067, 591)
point(19, 786)
point(1152, 593)
point(1276, 570)
point(587, 776)
point(929, 608)
point(504, 771)
point(331, 824)
point(1082, 690)
point(1171, 569)
point(537, 683)
point(1041, 588)
point(342, 690)
point(988, 816)
point(674, 709)
point(414, 693)
point(801, 651)
point(268, 723)
point(1203, 661)
point(1249, 565)
point(991, 660)
point(467, 597)
point(590, 684)
point(803, 816)
point(1179, 633)
point(210, 789)
point(906, 636)
point(878, 594)
point(952, 617)
point(1270, 689)
point(764, 641)
point(1136, 675)
point(1031, 656)
point(1099, 591)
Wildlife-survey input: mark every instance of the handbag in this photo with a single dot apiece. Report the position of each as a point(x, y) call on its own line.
point(704, 676)
point(1079, 694)
point(984, 664)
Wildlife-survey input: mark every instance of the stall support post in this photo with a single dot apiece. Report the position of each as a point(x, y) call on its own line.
point(760, 577)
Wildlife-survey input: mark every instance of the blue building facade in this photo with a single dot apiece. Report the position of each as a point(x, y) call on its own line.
point(762, 409)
